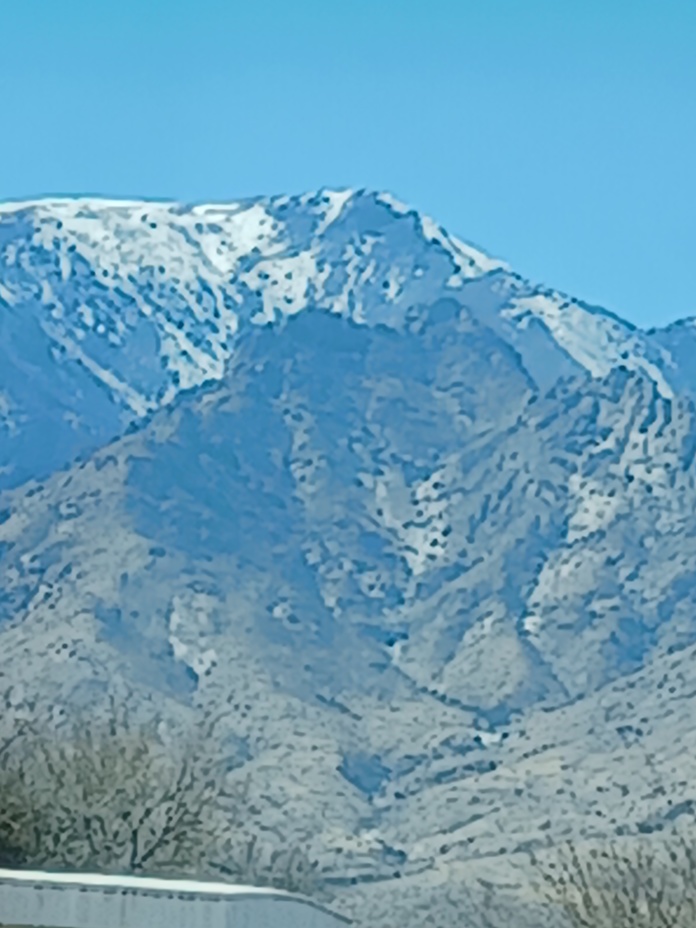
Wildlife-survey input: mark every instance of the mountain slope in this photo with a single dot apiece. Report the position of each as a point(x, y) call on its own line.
point(383, 550)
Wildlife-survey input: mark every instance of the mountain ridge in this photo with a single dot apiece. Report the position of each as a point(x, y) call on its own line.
point(134, 300)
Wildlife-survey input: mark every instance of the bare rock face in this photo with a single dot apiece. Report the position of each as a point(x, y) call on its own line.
point(418, 535)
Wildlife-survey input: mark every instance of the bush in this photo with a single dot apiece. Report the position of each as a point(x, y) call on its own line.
point(110, 800)
point(634, 888)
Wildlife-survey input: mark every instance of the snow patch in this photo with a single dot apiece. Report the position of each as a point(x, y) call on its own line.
point(336, 200)
point(597, 341)
point(282, 284)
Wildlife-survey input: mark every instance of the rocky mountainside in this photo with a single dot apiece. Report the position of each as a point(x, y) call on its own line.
point(418, 534)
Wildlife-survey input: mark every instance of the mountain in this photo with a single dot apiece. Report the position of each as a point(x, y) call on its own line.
point(417, 534)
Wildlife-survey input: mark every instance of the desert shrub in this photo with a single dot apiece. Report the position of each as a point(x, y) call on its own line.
point(113, 800)
point(642, 886)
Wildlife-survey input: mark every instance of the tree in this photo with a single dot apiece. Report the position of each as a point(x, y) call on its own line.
point(633, 888)
point(115, 800)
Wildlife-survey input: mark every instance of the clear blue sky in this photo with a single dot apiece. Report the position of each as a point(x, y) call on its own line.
point(558, 134)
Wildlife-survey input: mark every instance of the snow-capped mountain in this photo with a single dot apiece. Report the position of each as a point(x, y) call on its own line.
point(111, 308)
point(418, 534)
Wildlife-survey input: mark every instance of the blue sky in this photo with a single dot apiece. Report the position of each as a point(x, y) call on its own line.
point(557, 134)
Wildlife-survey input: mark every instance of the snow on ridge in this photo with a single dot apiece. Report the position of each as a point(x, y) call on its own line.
point(250, 245)
point(194, 270)
point(102, 269)
point(49, 203)
point(121, 237)
point(337, 200)
point(469, 260)
point(208, 239)
point(396, 205)
point(115, 238)
point(598, 341)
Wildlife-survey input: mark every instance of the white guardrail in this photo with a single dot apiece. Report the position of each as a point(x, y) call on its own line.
point(38, 899)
